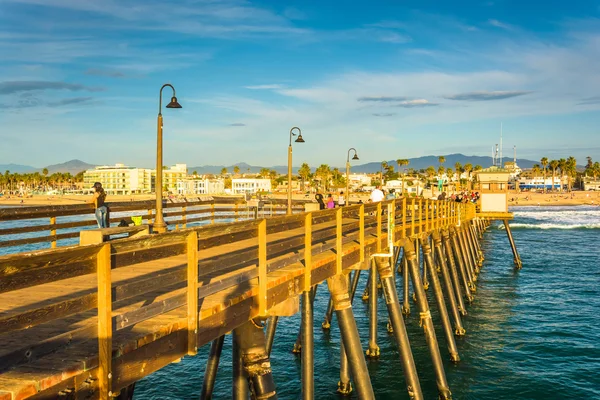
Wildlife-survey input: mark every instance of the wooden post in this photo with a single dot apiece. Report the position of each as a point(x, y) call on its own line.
point(103, 270)
point(403, 217)
point(338, 240)
point(379, 227)
point(412, 217)
point(307, 251)
point(53, 231)
point(420, 215)
point(361, 237)
point(262, 267)
point(192, 292)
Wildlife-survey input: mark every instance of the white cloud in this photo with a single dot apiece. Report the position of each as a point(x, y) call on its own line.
point(273, 86)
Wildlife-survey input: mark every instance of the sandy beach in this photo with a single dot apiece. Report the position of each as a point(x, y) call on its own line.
point(515, 199)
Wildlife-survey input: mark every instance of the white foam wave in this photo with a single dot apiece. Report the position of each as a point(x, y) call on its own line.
point(551, 226)
point(557, 218)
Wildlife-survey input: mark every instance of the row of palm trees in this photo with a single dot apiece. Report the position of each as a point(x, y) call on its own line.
point(566, 167)
point(35, 181)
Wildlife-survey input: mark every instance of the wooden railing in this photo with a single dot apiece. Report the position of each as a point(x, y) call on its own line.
point(244, 254)
point(49, 224)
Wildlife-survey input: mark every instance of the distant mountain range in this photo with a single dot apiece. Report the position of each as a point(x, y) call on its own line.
point(372, 167)
point(74, 167)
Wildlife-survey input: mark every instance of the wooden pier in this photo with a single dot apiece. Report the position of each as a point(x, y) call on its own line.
point(89, 321)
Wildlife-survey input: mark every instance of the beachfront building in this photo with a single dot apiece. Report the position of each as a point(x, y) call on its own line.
point(247, 185)
point(357, 181)
point(591, 183)
point(120, 179)
point(196, 185)
point(123, 179)
point(538, 182)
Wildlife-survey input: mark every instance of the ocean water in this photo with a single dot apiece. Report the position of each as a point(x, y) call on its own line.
point(531, 334)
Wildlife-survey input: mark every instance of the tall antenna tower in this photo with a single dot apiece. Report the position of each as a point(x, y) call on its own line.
point(501, 162)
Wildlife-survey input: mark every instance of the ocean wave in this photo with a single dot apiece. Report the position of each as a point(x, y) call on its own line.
point(563, 218)
point(517, 225)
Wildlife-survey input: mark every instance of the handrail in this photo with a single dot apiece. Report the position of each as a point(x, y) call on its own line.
point(178, 213)
point(264, 246)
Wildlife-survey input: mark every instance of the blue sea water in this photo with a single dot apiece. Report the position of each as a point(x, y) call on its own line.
point(531, 334)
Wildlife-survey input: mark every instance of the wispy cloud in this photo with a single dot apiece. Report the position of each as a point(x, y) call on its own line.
point(70, 101)
point(11, 87)
point(589, 100)
point(502, 25)
point(237, 124)
point(393, 37)
point(105, 73)
point(383, 99)
point(384, 114)
point(416, 103)
point(274, 86)
point(485, 96)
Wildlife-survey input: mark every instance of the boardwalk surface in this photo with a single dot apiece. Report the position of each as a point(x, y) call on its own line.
point(49, 325)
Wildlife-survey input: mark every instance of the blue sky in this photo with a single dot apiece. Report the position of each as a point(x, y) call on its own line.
point(394, 79)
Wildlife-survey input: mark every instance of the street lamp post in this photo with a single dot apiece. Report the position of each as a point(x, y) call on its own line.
point(159, 222)
point(348, 172)
point(298, 140)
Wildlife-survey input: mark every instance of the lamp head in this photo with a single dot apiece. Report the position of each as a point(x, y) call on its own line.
point(173, 103)
point(299, 140)
point(355, 156)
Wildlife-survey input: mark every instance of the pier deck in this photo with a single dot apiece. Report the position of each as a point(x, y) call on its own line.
point(137, 294)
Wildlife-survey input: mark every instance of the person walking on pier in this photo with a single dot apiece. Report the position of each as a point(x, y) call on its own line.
point(377, 195)
point(319, 198)
point(101, 209)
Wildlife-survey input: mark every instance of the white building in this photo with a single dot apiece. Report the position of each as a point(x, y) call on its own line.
point(122, 179)
point(358, 180)
point(187, 186)
point(243, 185)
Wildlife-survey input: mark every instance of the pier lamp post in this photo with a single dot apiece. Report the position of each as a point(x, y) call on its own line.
point(381, 172)
point(159, 222)
point(348, 172)
point(298, 140)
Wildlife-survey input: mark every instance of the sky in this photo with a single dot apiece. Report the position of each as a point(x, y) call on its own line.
point(80, 79)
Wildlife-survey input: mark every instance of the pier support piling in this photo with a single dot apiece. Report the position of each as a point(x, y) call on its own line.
point(517, 258)
point(298, 345)
point(405, 286)
point(338, 287)
point(373, 350)
point(453, 273)
point(212, 365)
point(240, 382)
point(257, 365)
point(427, 324)
point(308, 384)
point(441, 303)
point(468, 284)
point(459, 330)
point(399, 330)
point(271, 328)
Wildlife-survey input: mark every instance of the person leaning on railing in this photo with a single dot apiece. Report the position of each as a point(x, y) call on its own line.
point(101, 209)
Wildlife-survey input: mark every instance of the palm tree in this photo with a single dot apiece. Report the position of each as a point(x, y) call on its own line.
point(264, 173)
point(442, 160)
point(223, 172)
point(468, 168)
point(459, 170)
point(236, 169)
point(535, 170)
point(544, 162)
point(304, 173)
point(571, 169)
point(430, 174)
point(562, 166)
point(553, 165)
point(402, 162)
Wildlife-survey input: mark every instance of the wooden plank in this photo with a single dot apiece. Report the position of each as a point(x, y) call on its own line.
point(104, 322)
point(262, 267)
point(192, 292)
point(307, 251)
point(144, 313)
